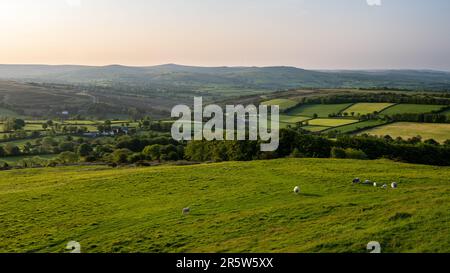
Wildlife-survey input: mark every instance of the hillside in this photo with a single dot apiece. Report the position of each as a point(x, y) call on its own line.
point(236, 207)
point(204, 78)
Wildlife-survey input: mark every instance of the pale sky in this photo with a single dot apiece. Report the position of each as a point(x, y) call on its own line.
point(312, 34)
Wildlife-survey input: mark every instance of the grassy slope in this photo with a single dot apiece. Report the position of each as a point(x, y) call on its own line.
point(436, 131)
point(235, 207)
point(357, 126)
point(284, 104)
point(367, 108)
point(411, 108)
point(331, 122)
point(292, 119)
point(322, 110)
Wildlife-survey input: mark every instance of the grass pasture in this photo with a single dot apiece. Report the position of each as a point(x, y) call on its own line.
point(411, 109)
point(331, 122)
point(292, 119)
point(436, 131)
point(367, 108)
point(357, 126)
point(322, 110)
point(283, 103)
point(315, 129)
point(236, 207)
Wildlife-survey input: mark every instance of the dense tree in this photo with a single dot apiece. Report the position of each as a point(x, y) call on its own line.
point(152, 152)
point(13, 124)
point(12, 149)
point(67, 157)
point(121, 155)
point(85, 149)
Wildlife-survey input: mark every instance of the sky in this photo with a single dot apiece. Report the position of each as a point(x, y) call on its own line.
point(311, 34)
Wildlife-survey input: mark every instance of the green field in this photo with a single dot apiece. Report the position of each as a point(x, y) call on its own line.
point(328, 122)
point(292, 119)
point(357, 126)
point(236, 207)
point(315, 128)
point(367, 108)
point(91, 125)
point(436, 131)
point(411, 109)
point(283, 103)
point(322, 110)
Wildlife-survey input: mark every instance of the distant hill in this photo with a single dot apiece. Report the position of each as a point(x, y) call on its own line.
point(199, 78)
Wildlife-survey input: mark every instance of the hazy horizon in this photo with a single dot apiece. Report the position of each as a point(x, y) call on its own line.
point(230, 66)
point(307, 34)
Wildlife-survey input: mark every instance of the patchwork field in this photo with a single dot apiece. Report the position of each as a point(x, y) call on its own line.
point(367, 108)
point(411, 109)
point(292, 119)
point(438, 132)
point(331, 122)
point(315, 129)
point(357, 126)
point(283, 103)
point(236, 207)
point(322, 110)
point(91, 126)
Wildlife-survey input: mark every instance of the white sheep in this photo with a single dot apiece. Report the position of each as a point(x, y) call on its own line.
point(394, 185)
point(384, 186)
point(374, 184)
point(297, 189)
point(186, 211)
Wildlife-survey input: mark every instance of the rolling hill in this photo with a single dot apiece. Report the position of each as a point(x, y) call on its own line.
point(272, 78)
point(235, 207)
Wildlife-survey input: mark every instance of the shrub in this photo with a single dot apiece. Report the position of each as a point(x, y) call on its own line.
point(355, 154)
point(67, 157)
point(121, 155)
point(338, 153)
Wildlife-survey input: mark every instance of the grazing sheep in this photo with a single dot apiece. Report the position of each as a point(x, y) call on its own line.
point(356, 181)
point(297, 189)
point(186, 211)
point(367, 182)
point(394, 185)
point(374, 184)
point(384, 186)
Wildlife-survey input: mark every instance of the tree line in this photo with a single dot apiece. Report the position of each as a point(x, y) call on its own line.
point(297, 143)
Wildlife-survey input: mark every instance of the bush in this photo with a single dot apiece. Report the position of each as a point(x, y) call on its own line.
point(136, 157)
point(338, 153)
point(84, 149)
point(355, 154)
point(297, 154)
point(67, 157)
point(121, 155)
point(152, 152)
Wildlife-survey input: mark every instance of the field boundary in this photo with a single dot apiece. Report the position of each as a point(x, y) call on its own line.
point(342, 111)
point(357, 130)
point(372, 127)
point(389, 107)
